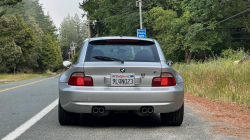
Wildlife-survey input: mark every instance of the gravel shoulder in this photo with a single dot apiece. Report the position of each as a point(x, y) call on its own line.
point(228, 118)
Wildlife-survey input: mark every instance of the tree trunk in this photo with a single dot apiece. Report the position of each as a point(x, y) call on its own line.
point(205, 55)
point(246, 24)
point(188, 55)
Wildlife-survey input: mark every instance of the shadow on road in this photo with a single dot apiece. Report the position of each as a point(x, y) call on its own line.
point(120, 119)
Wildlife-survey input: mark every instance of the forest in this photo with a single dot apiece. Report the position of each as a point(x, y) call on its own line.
point(186, 29)
point(28, 38)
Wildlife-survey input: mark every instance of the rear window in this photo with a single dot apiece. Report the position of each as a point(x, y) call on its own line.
point(127, 50)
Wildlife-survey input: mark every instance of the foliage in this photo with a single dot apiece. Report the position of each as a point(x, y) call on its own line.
point(72, 29)
point(175, 24)
point(10, 52)
point(113, 18)
point(28, 38)
point(10, 56)
point(7, 3)
point(75, 57)
point(218, 78)
point(32, 8)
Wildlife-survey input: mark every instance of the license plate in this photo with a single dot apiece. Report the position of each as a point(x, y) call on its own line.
point(118, 79)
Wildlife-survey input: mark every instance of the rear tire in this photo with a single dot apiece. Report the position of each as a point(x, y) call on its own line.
point(173, 118)
point(67, 118)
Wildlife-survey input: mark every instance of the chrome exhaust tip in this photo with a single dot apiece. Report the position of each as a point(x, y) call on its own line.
point(150, 110)
point(144, 110)
point(101, 110)
point(95, 110)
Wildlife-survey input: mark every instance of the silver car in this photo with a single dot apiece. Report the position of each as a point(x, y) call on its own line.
point(121, 74)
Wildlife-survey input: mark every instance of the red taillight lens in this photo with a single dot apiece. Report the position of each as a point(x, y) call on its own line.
point(166, 79)
point(78, 79)
point(156, 82)
point(88, 81)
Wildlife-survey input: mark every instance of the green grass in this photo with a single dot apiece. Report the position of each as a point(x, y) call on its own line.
point(7, 78)
point(218, 79)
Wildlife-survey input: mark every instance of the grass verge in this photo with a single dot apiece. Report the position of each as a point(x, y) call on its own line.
point(7, 78)
point(218, 79)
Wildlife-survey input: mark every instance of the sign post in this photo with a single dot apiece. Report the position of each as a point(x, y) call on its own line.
point(141, 33)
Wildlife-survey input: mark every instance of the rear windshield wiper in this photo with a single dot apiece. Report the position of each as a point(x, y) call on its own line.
point(104, 58)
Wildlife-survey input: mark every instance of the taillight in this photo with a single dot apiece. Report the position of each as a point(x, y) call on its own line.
point(79, 79)
point(166, 79)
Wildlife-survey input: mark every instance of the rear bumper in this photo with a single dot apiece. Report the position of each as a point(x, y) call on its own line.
point(82, 99)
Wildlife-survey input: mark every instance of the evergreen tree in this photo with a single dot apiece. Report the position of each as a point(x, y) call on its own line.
point(23, 37)
point(27, 33)
point(7, 4)
point(50, 55)
point(9, 52)
point(72, 29)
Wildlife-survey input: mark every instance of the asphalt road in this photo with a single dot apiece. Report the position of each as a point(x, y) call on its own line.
point(21, 101)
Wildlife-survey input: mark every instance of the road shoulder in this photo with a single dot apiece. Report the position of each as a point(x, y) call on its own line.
point(230, 119)
point(13, 84)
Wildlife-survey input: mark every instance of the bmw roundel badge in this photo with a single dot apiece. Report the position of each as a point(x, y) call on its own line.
point(122, 70)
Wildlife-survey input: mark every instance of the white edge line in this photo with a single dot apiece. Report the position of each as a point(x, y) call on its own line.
point(22, 128)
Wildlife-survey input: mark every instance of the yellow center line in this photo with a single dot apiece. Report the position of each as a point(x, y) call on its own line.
point(6, 89)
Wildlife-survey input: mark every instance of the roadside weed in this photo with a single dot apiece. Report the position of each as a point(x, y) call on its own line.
point(218, 79)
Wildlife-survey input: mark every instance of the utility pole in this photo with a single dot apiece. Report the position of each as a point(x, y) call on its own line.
point(73, 48)
point(69, 54)
point(140, 4)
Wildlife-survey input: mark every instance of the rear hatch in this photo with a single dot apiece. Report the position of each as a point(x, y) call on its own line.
point(122, 62)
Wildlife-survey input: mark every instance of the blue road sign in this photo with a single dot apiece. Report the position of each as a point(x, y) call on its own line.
point(141, 33)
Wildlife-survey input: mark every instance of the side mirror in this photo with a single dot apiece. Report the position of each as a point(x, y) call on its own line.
point(170, 63)
point(67, 64)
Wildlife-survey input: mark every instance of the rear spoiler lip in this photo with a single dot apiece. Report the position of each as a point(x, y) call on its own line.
point(121, 38)
point(121, 42)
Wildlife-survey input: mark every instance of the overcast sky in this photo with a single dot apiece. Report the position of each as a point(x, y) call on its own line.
point(58, 9)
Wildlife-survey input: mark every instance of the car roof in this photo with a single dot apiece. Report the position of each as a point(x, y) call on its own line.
point(120, 37)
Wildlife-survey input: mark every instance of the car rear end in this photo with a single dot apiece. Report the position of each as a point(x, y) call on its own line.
point(130, 74)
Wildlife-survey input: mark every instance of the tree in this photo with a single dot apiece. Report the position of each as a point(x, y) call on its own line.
point(38, 44)
point(23, 37)
point(7, 3)
point(32, 8)
point(81, 29)
point(50, 55)
point(25, 27)
point(9, 52)
point(113, 18)
point(177, 24)
point(71, 29)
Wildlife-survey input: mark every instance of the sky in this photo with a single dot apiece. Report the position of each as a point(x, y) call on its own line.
point(58, 9)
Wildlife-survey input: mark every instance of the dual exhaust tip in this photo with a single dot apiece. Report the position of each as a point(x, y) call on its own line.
point(97, 109)
point(148, 110)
